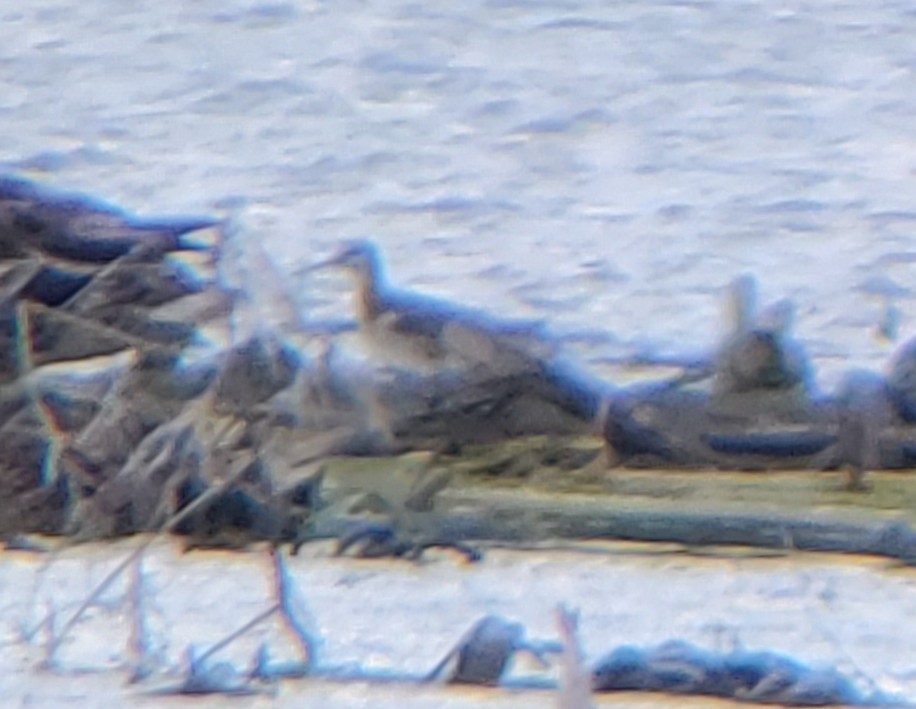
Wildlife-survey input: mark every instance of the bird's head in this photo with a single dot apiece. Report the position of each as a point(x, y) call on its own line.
point(360, 257)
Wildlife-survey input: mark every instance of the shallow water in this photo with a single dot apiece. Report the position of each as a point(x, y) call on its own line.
point(606, 167)
point(401, 618)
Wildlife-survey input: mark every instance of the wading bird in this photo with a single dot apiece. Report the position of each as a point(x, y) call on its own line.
point(430, 333)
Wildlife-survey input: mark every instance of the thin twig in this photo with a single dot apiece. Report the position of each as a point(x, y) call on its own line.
point(574, 690)
point(285, 591)
point(138, 643)
point(260, 618)
point(170, 524)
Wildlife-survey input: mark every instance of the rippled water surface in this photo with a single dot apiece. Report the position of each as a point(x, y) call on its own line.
point(847, 612)
point(606, 166)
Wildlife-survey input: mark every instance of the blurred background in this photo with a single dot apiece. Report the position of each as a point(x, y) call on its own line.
point(608, 167)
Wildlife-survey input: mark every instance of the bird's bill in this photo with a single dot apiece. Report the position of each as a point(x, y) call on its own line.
point(333, 261)
point(343, 257)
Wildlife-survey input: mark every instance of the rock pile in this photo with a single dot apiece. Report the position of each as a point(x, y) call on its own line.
point(114, 415)
point(94, 306)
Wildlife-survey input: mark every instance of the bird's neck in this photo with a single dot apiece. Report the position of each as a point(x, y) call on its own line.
point(369, 303)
